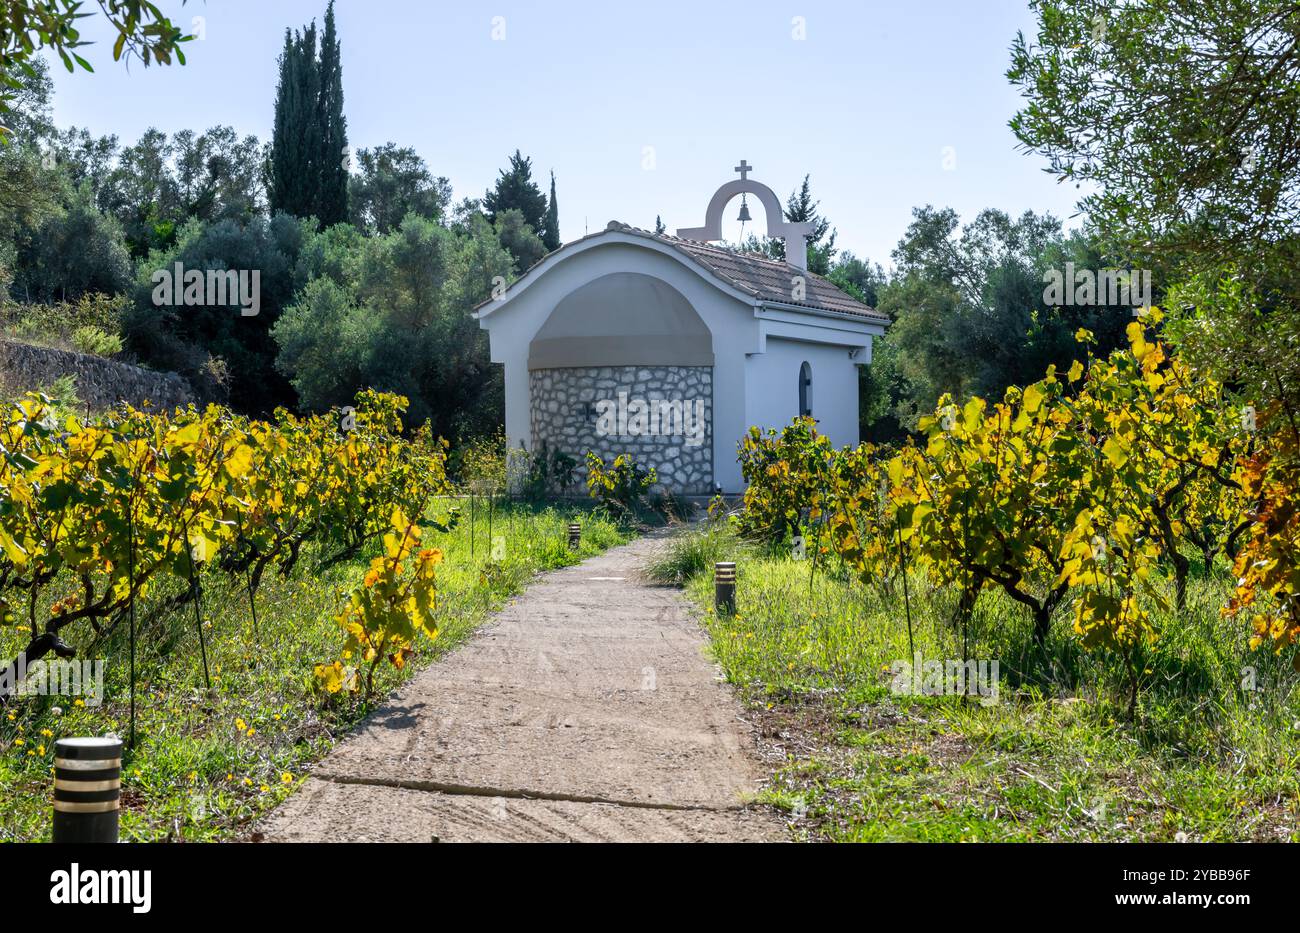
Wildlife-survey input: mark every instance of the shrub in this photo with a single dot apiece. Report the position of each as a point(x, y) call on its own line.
point(786, 474)
point(620, 487)
point(92, 340)
point(57, 324)
point(545, 471)
point(483, 462)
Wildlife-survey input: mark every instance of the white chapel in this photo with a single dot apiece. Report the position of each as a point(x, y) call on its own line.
point(670, 347)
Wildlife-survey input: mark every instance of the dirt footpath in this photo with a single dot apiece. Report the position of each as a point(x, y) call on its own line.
point(585, 710)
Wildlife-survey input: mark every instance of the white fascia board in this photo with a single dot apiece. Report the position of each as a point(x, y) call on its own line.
point(835, 330)
point(800, 314)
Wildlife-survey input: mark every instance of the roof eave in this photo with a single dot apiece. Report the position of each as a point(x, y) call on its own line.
point(856, 317)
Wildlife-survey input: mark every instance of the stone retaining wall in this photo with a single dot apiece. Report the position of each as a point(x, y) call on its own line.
point(101, 383)
point(661, 415)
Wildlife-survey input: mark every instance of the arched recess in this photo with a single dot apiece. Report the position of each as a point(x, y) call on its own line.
point(622, 319)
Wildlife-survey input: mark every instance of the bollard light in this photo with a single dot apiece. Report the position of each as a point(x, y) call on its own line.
point(575, 536)
point(724, 587)
point(87, 789)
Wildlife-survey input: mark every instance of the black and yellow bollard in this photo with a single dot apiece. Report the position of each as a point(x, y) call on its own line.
point(87, 789)
point(575, 536)
point(724, 587)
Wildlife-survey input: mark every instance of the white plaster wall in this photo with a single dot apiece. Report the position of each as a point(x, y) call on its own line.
point(772, 387)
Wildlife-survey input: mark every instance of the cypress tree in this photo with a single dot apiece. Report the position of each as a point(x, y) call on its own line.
point(307, 174)
point(332, 194)
point(551, 227)
point(309, 128)
point(285, 161)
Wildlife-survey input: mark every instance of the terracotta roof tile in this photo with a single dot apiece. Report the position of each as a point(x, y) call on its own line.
point(766, 279)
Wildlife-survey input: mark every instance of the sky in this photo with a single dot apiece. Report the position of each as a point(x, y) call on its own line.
point(640, 109)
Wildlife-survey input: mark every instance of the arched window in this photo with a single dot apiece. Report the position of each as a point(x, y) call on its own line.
point(805, 390)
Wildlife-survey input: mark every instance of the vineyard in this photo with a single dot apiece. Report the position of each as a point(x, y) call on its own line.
point(1087, 490)
point(1120, 537)
point(251, 588)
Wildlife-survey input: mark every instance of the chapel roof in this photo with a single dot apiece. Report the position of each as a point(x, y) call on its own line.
point(767, 280)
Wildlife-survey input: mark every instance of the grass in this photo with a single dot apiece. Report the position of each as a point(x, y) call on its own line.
point(1055, 758)
point(207, 763)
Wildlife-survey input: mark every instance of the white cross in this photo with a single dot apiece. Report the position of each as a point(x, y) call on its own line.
point(744, 168)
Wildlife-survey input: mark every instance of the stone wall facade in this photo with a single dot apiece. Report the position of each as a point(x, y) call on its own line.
point(660, 415)
point(101, 383)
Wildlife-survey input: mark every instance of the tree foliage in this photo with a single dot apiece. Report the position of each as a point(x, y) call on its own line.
point(801, 207)
point(393, 312)
point(1181, 120)
point(28, 26)
point(1180, 117)
point(516, 190)
point(392, 182)
point(969, 313)
point(518, 239)
point(309, 156)
point(550, 231)
point(74, 252)
point(188, 337)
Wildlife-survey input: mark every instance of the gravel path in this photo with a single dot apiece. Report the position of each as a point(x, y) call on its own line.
point(585, 710)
